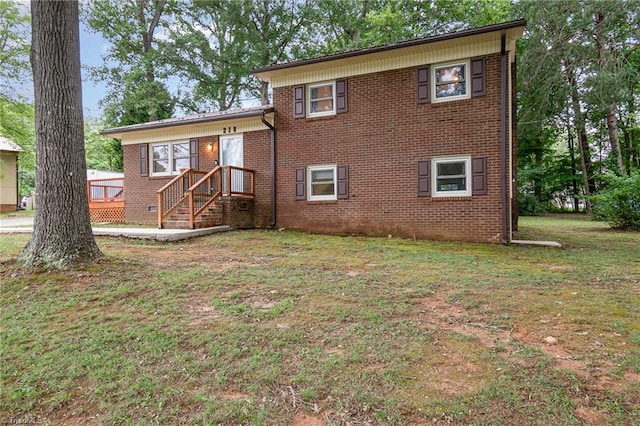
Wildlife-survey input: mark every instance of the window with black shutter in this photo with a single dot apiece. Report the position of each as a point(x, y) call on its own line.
point(298, 102)
point(424, 178)
point(479, 176)
point(343, 182)
point(193, 159)
point(300, 183)
point(144, 160)
point(478, 80)
point(341, 96)
point(424, 92)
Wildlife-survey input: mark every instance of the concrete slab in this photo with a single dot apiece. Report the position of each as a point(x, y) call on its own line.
point(146, 233)
point(536, 243)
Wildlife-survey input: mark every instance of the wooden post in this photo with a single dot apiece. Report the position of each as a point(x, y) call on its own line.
point(160, 209)
point(191, 213)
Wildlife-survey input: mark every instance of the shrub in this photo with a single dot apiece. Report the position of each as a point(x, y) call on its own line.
point(618, 203)
point(529, 205)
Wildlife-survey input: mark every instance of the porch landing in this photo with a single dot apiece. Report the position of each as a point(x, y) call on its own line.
point(145, 233)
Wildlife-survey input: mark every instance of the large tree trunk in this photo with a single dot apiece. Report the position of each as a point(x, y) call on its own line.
point(583, 143)
point(612, 120)
point(614, 137)
point(62, 235)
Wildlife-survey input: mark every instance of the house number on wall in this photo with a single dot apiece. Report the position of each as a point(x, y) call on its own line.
point(228, 129)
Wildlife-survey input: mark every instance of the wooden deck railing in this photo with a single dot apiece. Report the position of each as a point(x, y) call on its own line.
point(105, 190)
point(197, 190)
point(106, 199)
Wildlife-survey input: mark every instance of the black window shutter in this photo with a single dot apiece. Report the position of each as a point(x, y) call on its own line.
point(478, 80)
point(300, 183)
point(341, 96)
point(298, 102)
point(343, 182)
point(424, 178)
point(144, 160)
point(424, 94)
point(193, 150)
point(479, 176)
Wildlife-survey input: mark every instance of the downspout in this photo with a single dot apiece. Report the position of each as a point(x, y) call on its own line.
point(272, 224)
point(503, 133)
point(18, 199)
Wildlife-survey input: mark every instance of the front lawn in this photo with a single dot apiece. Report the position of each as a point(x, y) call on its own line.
point(287, 328)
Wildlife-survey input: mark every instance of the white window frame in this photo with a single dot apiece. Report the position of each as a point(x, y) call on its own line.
point(333, 168)
point(309, 100)
point(169, 145)
point(467, 81)
point(434, 171)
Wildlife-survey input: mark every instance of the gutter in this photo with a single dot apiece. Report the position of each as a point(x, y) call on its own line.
point(183, 121)
point(376, 49)
point(503, 134)
point(273, 169)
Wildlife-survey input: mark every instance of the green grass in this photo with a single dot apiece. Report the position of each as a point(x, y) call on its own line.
point(262, 327)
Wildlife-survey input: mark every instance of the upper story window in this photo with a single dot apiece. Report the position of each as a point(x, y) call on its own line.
point(321, 99)
point(170, 157)
point(451, 176)
point(451, 81)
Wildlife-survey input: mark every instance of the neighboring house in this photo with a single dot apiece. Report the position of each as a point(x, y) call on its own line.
point(414, 139)
point(9, 195)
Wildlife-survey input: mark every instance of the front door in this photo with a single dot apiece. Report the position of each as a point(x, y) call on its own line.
point(231, 154)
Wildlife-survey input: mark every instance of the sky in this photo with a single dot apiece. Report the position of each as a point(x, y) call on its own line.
point(92, 46)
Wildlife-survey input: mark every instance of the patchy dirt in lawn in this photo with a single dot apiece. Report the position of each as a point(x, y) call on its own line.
point(440, 314)
point(303, 419)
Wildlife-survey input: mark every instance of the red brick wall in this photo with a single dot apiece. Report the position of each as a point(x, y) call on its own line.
point(257, 157)
point(141, 191)
point(381, 138)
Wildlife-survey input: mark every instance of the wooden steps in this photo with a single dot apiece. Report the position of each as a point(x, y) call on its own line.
point(179, 219)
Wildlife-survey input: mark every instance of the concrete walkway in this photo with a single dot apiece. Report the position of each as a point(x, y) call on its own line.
point(25, 226)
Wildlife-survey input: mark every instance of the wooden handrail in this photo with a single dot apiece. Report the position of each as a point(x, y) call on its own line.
point(172, 181)
point(192, 194)
point(203, 178)
point(176, 180)
point(195, 212)
point(229, 191)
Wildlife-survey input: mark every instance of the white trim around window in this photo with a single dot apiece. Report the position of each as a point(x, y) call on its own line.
point(451, 176)
point(168, 158)
point(321, 99)
point(321, 183)
point(450, 81)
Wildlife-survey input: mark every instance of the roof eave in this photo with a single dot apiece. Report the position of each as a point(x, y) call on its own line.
point(267, 71)
point(116, 131)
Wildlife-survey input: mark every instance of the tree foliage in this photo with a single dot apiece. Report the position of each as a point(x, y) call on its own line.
point(618, 203)
point(578, 94)
point(14, 48)
point(134, 65)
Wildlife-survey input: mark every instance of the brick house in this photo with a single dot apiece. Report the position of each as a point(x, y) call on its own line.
point(413, 139)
